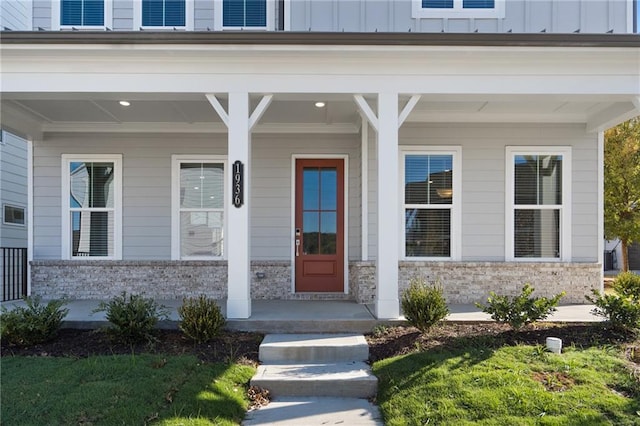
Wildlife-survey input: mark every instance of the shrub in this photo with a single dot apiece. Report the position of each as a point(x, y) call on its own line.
point(200, 318)
point(134, 317)
point(35, 323)
point(628, 284)
point(423, 305)
point(520, 310)
point(622, 309)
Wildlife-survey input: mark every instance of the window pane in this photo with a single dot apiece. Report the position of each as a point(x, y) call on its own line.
point(537, 233)
point(92, 233)
point(202, 185)
point(311, 233)
point(14, 215)
point(311, 189)
point(233, 13)
point(478, 4)
point(428, 179)
point(152, 13)
point(174, 13)
point(538, 179)
point(329, 188)
point(427, 232)
point(91, 185)
point(71, 12)
point(328, 225)
point(437, 4)
point(93, 12)
point(256, 13)
point(201, 233)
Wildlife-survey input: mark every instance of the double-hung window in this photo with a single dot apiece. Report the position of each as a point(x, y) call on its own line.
point(92, 212)
point(430, 202)
point(538, 208)
point(89, 14)
point(458, 9)
point(198, 207)
point(247, 14)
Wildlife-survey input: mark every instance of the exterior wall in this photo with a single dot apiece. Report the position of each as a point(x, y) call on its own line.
point(15, 15)
point(468, 282)
point(483, 181)
point(13, 187)
point(521, 16)
point(147, 188)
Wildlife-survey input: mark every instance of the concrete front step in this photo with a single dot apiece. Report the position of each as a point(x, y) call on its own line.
point(310, 411)
point(313, 348)
point(347, 380)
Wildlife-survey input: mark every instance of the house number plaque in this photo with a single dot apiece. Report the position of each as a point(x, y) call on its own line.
point(237, 184)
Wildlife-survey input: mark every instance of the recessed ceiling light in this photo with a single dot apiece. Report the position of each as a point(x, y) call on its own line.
point(124, 103)
point(320, 104)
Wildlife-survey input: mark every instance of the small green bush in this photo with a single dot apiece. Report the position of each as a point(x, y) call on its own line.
point(622, 309)
point(133, 317)
point(35, 323)
point(628, 284)
point(200, 318)
point(423, 305)
point(520, 310)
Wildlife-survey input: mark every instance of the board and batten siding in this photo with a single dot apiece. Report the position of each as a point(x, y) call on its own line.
point(521, 16)
point(13, 187)
point(483, 181)
point(146, 174)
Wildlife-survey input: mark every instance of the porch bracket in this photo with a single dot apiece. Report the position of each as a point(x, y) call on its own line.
point(259, 111)
point(215, 103)
point(364, 107)
point(408, 108)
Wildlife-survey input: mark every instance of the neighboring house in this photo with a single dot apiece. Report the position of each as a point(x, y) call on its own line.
point(313, 149)
point(13, 228)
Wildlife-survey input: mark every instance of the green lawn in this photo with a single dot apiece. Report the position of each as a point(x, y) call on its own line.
point(122, 390)
point(512, 385)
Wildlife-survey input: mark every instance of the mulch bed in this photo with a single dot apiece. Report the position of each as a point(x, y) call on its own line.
point(384, 343)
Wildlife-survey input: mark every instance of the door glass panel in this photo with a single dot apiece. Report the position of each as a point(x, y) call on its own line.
point(310, 236)
point(328, 226)
point(311, 189)
point(329, 187)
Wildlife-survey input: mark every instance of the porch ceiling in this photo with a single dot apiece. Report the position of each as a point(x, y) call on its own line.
point(187, 112)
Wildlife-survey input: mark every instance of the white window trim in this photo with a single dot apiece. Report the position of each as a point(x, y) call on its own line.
point(271, 18)
point(15, 206)
point(456, 211)
point(189, 9)
point(418, 12)
point(565, 208)
point(176, 160)
point(56, 12)
point(117, 204)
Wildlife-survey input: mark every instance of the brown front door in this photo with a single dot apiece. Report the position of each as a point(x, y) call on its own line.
point(319, 225)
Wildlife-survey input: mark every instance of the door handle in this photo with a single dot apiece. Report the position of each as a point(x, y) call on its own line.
point(297, 247)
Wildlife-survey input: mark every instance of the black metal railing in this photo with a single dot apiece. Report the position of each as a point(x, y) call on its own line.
point(14, 273)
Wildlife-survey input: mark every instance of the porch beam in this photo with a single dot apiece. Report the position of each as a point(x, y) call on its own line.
point(215, 103)
point(365, 109)
point(387, 302)
point(238, 241)
point(408, 108)
point(259, 111)
point(612, 116)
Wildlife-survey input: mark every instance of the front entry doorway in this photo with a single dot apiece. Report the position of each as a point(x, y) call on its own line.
point(319, 225)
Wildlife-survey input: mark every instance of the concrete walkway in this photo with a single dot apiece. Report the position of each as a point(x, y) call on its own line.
point(306, 316)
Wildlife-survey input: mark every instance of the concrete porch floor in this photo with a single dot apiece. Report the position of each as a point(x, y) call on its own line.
point(305, 316)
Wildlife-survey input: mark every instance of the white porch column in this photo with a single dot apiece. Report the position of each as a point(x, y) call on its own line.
point(238, 238)
point(387, 303)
